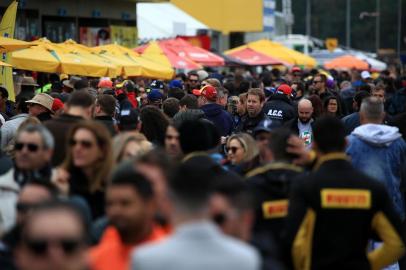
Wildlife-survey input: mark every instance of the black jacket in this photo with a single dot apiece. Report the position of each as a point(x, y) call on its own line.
point(334, 212)
point(45, 116)
point(279, 108)
point(220, 118)
point(271, 186)
point(248, 124)
point(108, 122)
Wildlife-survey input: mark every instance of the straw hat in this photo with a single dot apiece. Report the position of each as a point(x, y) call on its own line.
point(43, 99)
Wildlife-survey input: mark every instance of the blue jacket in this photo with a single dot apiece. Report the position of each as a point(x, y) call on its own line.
point(220, 118)
point(380, 152)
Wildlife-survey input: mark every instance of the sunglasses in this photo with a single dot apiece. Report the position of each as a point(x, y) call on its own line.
point(24, 207)
point(193, 80)
point(314, 82)
point(32, 147)
point(40, 246)
point(83, 143)
point(233, 149)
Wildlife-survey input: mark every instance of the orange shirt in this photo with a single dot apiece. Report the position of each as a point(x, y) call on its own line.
point(112, 253)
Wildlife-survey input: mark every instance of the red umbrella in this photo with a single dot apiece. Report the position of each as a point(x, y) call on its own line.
point(194, 53)
point(156, 52)
point(254, 58)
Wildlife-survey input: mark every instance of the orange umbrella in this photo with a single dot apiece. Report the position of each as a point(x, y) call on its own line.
point(346, 62)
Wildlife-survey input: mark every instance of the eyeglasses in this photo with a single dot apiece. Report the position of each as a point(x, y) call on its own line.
point(40, 246)
point(83, 143)
point(32, 147)
point(233, 149)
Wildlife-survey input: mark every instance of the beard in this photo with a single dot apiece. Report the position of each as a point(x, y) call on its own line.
point(304, 120)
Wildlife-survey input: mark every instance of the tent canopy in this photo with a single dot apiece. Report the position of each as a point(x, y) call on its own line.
point(346, 62)
point(279, 52)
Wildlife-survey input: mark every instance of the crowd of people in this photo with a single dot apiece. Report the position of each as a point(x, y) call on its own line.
point(294, 169)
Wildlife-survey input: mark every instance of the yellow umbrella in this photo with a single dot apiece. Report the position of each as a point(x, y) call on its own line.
point(132, 64)
point(3, 64)
point(36, 58)
point(81, 60)
point(278, 51)
point(11, 44)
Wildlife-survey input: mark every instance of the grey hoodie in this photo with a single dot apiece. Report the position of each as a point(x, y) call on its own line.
point(379, 135)
point(9, 129)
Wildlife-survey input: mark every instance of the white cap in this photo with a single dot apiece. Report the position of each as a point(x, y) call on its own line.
point(365, 75)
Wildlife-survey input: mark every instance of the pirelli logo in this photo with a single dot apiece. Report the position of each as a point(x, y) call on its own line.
point(346, 198)
point(275, 209)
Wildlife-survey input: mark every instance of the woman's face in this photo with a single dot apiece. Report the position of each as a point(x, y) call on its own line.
point(332, 106)
point(241, 107)
point(130, 150)
point(235, 152)
point(85, 150)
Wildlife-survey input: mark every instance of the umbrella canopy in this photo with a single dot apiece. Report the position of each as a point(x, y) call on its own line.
point(253, 58)
point(36, 58)
point(3, 64)
point(279, 52)
point(346, 62)
point(11, 44)
point(199, 55)
point(132, 64)
point(165, 56)
point(50, 57)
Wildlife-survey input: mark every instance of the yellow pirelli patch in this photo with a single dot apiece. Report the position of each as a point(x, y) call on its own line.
point(346, 198)
point(275, 209)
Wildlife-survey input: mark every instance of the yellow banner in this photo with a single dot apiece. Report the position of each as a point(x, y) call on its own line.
point(7, 26)
point(124, 35)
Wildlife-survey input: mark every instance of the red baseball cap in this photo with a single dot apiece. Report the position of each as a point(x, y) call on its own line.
point(207, 91)
point(284, 89)
point(296, 69)
point(105, 83)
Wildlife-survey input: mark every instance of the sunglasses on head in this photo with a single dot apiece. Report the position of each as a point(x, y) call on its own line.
point(40, 246)
point(83, 143)
point(32, 147)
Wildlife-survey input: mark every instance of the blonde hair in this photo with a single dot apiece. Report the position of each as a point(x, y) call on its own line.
point(248, 144)
point(121, 140)
point(102, 167)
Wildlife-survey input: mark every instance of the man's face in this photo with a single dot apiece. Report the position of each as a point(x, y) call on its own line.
point(30, 153)
point(318, 84)
point(53, 239)
point(254, 105)
point(30, 196)
point(305, 113)
point(263, 138)
point(193, 81)
point(172, 146)
point(35, 109)
point(127, 210)
point(380, 94)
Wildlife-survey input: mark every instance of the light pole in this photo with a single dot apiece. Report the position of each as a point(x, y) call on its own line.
point(378, 25)
point(399, 27)
point(348, 25)
point(309, 17)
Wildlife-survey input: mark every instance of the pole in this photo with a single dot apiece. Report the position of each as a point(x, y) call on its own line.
point(378, 25)
point(309, 18)
point(348, 25)
point(399, 27)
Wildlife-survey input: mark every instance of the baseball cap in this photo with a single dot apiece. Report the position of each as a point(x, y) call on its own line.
point(207, 91)
point(128, 119)
point(175, 83)
point(266, 125)
point(365, 74)
point(156, 84)
point(105, 83)
point(126, 85)
point(155, 95)
point(296, 69)
point(284, 89)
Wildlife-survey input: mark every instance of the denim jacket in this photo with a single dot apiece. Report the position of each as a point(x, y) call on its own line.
point(380, 152)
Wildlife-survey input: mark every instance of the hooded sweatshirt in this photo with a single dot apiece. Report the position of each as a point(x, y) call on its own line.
point(220, 118)
point(380, 152)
